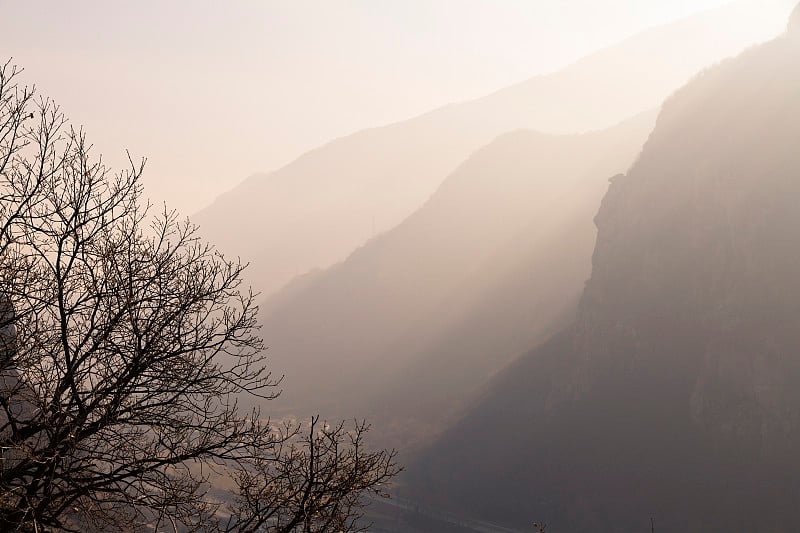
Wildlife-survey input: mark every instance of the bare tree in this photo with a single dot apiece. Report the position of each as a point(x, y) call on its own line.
point(315, 484)
point(126, 342)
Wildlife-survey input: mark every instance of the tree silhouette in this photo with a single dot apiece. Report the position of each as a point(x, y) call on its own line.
point(126, 342)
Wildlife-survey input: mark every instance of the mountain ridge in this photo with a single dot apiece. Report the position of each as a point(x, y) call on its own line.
point(451, 294)
point(335, 197)
point(674, 392)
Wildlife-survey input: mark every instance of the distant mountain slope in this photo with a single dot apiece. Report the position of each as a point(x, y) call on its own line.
point(415, 319)
point(676, 392)
point(318, 209)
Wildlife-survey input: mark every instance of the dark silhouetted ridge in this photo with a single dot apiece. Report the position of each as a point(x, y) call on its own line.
point(676, 392)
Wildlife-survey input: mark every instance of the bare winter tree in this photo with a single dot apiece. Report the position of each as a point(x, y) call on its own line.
point(125, 343)
point(314, 484)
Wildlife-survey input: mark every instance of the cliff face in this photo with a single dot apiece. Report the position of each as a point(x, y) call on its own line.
point(676, 393)
point(695, 270)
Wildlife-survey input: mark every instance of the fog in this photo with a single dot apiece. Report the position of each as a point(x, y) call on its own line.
point(213, 93)
point(547, 249)
point(322, 206)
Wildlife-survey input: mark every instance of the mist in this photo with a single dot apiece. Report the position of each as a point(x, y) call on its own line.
point(547, 252)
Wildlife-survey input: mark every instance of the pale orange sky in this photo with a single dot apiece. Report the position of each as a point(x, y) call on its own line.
point(212, 92)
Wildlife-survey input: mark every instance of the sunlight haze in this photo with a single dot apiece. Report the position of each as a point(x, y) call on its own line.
point(400, 266)
point(213, 92)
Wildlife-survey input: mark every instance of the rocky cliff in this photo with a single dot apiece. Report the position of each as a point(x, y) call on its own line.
point(676, 392)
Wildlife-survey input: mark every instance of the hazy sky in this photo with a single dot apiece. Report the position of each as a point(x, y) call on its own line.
point(212, 92)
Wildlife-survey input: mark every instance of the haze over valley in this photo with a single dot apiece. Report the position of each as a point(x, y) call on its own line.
point(567, 301)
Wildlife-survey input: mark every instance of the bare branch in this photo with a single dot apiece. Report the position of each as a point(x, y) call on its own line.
point(125, 342)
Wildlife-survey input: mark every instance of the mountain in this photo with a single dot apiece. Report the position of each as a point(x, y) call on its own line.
point(315, 211)
point(675, 394)
point(418, 317)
